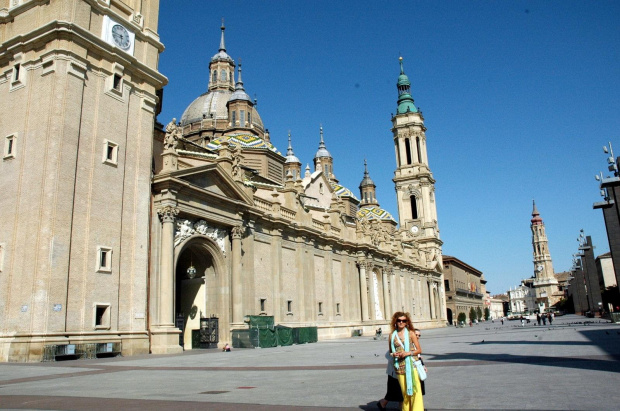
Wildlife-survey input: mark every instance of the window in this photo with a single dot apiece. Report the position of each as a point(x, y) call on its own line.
point(214, 77)
point(224, 75)
point(110, 153)
point(337, 308)
point(408, 150)
point(289, 306)
point(262, 304)
point(9, 146)
point(242, 118)
point(102, 316)
point(16, 73)
point(117, 83)
point(234, 118)
point(320, 308)
point(414, 207)
point(104, 259)
point(417, 142)
point(249, 118)
point(447, 284)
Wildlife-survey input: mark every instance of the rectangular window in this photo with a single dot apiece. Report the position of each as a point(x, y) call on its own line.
point(104, 259)
point(9, 146)
point(320, 308)
point(447, 284)
point(289, 306)
point(242, 118)
point(117, 83)
point(102, 316)
point(337, 308)
point(262, 304)
point(234, 119)
point(110, 152)
point(16, 73)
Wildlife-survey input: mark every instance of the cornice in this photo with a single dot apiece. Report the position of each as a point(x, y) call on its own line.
point(55, 29)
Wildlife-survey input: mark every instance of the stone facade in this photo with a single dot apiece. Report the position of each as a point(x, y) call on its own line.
point(114, 228)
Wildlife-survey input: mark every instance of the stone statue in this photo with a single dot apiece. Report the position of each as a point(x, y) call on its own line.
point(173, 132)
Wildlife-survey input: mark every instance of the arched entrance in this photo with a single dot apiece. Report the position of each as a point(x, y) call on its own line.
point(199, 281)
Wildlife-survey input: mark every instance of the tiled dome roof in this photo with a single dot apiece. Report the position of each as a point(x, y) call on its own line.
point(243, 141)
point(374, 213)
point(342, 191)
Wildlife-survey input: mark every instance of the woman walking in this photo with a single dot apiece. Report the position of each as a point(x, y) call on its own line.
point(404, 348)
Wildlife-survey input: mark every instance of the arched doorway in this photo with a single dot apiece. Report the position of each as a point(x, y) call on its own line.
point(198, 288)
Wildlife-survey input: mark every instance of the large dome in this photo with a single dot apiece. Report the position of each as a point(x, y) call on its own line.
point(213, 103)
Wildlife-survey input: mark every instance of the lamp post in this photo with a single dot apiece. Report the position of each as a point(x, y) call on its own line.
point(610, 191)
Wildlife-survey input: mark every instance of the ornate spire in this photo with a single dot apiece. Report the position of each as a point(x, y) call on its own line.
point(240, 93)
point(290, 156)
point(222, 44)
point(536, 219)
point(322, 149)
point(405, 101)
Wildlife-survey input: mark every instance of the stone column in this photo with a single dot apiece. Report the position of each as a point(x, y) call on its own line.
point(237, 285)
point(299, 306)
point(167, 215)
point(372, 290)
point(432, 287)
point(164, 335)
point(386, 293)
point(329, 282)
point(363, 290)
point(276, 273)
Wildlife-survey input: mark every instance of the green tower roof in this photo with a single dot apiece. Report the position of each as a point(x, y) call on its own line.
point(405, 101)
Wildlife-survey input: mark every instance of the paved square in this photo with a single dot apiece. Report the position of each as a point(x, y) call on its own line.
point(573, 364)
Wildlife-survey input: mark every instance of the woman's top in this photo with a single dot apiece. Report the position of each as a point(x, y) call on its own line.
point(399, 348)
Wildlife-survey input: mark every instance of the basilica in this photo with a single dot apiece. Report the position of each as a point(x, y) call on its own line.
point(117, 229)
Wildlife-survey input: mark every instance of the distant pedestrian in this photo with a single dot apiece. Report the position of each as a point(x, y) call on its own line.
point(538, 319)
point(522, 321)
point(502, 320)
point(550, 317)
point(544, 319)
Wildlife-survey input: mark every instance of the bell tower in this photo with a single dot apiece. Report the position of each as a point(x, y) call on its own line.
point(81, 83)
point(414, 181)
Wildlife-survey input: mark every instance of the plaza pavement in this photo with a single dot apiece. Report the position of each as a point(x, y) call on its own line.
point(570, 365)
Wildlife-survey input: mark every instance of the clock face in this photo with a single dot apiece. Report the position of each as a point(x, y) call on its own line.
point(415, 229)
point(121, 38)
point(539, 268)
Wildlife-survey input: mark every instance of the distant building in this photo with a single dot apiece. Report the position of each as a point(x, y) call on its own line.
point(463, 287)
point(522, 299)
point(499, 306)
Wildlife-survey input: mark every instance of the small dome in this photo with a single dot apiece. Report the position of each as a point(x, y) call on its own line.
point(243, 141)
point(374, 213)
point(366, 181)
point(222, 56)
point(342, 191)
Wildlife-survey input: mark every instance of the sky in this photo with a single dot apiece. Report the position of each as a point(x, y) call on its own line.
point(518, 97)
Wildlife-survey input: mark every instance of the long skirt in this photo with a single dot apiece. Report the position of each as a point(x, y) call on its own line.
point(414, 402)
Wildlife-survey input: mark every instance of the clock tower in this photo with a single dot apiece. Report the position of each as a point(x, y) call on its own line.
point(79, 89)
point(415, 185)
point(545, 283)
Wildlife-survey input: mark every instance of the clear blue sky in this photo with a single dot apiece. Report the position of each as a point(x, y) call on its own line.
point(518, 97)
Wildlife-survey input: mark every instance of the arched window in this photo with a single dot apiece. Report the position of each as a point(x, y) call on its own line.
point(408, 150)
point(214, 76)
point(414, 207)
point(224, 75)
point(234, 118)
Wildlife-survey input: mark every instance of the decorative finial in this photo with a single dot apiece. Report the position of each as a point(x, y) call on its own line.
point(222, 43)
point(402, 70)
point(321, 131)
